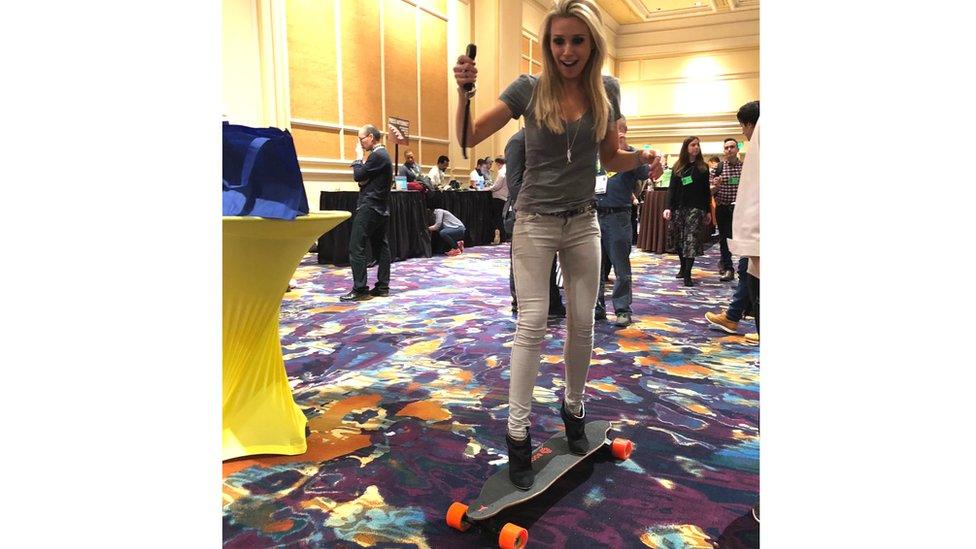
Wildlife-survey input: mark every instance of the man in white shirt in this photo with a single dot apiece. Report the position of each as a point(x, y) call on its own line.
point(437, 173)
point(476, 176)
point(499, 196)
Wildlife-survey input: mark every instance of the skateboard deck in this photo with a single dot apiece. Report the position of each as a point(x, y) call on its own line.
point(549, 461)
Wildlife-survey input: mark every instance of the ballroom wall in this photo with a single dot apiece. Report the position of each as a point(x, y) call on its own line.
point(322, 68)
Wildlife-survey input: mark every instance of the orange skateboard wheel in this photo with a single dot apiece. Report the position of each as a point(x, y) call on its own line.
point(455, 516)
point(621, 448)
point(513, 537)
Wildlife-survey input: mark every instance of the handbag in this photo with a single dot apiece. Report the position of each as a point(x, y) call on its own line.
point(261, 176)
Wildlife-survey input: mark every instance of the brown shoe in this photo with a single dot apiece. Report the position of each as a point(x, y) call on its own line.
point(722, 322)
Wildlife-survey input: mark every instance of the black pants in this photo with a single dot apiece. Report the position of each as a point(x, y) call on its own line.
point(724, 214)
point(369, 225)
point(634, 214)
point(555, 300)
point(754, 297)
point(497, 209)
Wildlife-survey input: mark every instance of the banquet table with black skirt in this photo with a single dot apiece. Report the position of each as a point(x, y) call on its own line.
point(407, 235)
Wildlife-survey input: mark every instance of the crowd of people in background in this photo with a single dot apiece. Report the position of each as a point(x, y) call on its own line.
point(693, 187)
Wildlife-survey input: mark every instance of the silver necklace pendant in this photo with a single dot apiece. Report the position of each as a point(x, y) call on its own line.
point(569, 156)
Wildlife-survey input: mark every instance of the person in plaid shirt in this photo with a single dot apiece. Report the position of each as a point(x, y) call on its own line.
point(725, 184)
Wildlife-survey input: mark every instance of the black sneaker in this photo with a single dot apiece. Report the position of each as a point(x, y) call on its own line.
point(376, 292)
point(353, 295)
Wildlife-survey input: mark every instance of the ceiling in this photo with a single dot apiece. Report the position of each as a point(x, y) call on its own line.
point(628, 12)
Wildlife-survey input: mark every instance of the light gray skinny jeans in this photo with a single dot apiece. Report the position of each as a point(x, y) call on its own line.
point(534, 241)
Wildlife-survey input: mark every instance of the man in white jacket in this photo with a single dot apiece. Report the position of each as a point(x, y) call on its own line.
point(745, 219)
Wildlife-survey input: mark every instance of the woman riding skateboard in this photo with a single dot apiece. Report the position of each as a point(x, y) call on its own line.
point(570, 115)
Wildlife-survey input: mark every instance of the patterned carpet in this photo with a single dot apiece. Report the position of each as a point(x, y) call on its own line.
point(406, 398)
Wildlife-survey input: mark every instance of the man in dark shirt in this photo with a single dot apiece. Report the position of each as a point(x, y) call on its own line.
point(614, 196)
point(409, 169)
point(375, 177)
point(725, 184)
point(514, 169)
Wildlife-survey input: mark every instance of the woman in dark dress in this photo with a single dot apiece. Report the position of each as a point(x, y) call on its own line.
point(688, 206)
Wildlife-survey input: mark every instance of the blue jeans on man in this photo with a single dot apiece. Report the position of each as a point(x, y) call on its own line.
point(616, 241)
point(450, 237)
point(740, 299)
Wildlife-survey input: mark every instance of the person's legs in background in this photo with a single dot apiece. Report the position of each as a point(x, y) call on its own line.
point(556, 307)
point(729, 320)
point(378, 227)
point(357, 257)
point(634, 214)
point(600, 311)
point(754, 297)
point(450, 237)
point(618, 249)
point(724, 214)
point(497, 207)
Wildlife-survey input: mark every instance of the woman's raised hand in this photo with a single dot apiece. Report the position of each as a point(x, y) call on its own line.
point(464, 71)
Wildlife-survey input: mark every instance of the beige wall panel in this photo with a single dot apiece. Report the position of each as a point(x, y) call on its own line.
point(431, 152)
point(689, 34)
point(536, 68)
point(526, 46)
point(536, 52)
point(316, 143)
point(400, 51)
point(433, 72)
point(532, 16)
point(312, 60)
point(440, 6)
point(524, 67)
point(630, 70)
point(349, 142)
point(714, 96)
point(362, 94)
point(700, 65)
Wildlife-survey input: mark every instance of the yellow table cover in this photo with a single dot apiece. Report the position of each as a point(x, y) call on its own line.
point(260, 256)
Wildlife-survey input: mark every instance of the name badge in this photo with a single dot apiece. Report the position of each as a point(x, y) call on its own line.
point(686, 180)
point(733, 181)
point(601, 184)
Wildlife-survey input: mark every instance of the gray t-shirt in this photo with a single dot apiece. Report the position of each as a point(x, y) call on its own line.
point(444, 219)
point(550, 183)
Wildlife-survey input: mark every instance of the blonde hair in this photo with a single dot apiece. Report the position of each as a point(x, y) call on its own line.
point(550, 85)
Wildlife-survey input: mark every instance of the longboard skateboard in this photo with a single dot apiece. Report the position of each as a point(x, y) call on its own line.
point(549, 461)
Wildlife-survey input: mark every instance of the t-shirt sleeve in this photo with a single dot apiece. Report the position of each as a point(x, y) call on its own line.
point(518, 94)
point(613, 94)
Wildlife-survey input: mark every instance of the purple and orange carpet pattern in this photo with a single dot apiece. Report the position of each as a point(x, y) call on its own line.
point(406, 398)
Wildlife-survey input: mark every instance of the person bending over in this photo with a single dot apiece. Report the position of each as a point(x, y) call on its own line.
point(449, 229)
